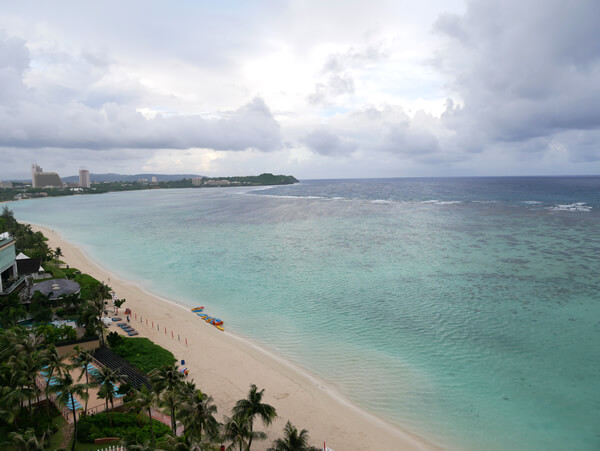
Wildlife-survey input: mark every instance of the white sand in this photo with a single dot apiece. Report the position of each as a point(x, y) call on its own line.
point(224, 366)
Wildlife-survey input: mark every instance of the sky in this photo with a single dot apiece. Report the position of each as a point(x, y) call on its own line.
point(314, 89)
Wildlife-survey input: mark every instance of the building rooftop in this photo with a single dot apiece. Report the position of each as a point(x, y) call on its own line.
point(57, 287)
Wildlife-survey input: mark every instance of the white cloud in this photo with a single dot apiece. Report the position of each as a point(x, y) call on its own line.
point(315, 89)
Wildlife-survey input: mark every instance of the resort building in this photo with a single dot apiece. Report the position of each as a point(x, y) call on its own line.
point(6, 185)
point(30, 267)
point(34, 170)
point(84, 178)
point(196, 180)
point(221, 182)
point(8, 264)
point(47, 180)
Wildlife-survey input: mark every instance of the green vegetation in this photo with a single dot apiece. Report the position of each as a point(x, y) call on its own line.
point(31, 243)
point(127, 426)
point(90, 286)
point(141, 352)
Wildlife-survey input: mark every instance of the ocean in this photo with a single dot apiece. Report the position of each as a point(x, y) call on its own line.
point(466, 310)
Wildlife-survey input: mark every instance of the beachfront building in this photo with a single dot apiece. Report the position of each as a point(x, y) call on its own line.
point(47, 180)
point(8, 264)
point(30, 267)
point(196, 180)
point(84, 178)
point(221, 182)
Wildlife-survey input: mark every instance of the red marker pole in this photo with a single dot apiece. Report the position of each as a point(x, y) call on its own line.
point(172, 336)
point(186, 341)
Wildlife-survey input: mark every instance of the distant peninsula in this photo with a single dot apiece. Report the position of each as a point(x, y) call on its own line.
point(104, 183)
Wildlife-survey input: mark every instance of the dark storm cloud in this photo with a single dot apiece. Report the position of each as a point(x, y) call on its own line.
point(101, 117)
point(524, 70)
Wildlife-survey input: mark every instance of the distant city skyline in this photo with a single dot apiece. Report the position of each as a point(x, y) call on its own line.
point(313, 89)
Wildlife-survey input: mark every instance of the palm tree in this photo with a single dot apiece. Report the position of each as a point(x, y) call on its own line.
point(252, 407)
point(238, 429)
point(26, 441)
point(197, 413)
point(167, 381)
point(145, 399)
point(12, 310)
point(56, 365)
point(82, 359)
point(292, 440)
point(91, 315)
point(12, 395)
point(28, 346)
point(66, 389)
point(108, 380)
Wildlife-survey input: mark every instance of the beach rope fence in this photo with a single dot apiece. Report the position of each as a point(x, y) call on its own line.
point(150, 323)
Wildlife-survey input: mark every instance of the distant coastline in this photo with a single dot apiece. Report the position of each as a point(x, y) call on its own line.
point(21, 190)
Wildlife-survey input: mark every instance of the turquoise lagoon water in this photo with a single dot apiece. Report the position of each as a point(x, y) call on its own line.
point(464, 310)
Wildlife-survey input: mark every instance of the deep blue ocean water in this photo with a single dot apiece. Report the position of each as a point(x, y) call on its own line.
point(463, 309)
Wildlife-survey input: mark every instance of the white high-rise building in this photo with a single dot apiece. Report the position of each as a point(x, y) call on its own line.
point(84, 178)
point(34, 170)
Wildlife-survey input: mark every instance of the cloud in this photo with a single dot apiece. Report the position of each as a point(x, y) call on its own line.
point(101, 116)
point(386, 131)
point(523, 71)
point(340, 69)
point(325, 142)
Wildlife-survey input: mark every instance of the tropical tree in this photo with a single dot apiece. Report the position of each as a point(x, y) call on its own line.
point(252, 407)
point(108, 381)
point(167, 381)
point(66, 389)
point(145, 399)
point(238, 429)
point(91, 313)
point(292, 440)
point(83, 358)
point(13, 394)
point(26, 441)
point(28, 358)
point(196, 413)
point(55, 366)
point(58, 253)
point(12, 310)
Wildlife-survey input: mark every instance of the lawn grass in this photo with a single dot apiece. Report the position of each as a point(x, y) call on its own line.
point(87, 283)
point(57, 438)
point(142, 353)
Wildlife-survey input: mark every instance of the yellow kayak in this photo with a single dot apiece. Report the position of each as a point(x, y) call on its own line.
point(220, 328)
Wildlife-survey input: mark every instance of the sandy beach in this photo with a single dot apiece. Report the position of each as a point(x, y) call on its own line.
point(224, 366)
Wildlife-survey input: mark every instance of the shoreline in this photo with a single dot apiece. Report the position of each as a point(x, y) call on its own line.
point(224, 365)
